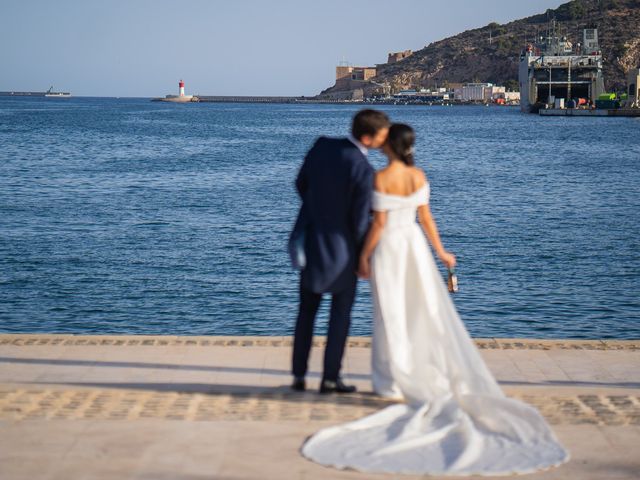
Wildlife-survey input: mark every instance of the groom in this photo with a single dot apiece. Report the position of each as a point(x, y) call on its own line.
point(335, 185)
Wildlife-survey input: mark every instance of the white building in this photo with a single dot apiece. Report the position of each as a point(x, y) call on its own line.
point(512, 97)
point(478, 92)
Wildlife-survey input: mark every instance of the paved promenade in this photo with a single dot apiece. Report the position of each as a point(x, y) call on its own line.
point(173, 408)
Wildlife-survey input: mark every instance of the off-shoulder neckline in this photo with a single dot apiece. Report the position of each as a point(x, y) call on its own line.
point(403, 196)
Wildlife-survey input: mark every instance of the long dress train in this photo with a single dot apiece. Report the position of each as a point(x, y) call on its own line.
point(456, 419)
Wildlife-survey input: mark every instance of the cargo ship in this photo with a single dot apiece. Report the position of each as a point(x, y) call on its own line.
point(48, 93)
point(559, 79)
point(553, 69)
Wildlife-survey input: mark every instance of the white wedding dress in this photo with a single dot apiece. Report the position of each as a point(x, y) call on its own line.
point(456, 419)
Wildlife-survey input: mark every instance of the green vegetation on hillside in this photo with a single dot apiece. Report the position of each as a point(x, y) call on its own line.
point(491, 53)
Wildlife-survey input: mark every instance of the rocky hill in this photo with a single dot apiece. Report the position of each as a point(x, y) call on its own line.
point(491, 53)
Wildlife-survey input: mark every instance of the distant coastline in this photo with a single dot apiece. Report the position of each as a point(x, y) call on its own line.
point(48, 93)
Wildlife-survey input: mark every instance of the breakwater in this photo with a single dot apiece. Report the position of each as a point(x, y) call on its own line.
point(248, 99)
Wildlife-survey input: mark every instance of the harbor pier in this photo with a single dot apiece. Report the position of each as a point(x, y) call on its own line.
point(182, 407)
point(247, 99)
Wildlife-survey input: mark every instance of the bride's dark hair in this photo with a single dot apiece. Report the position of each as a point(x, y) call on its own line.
point(400, 140)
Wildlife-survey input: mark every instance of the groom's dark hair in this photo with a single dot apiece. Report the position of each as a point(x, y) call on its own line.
point(368, 122)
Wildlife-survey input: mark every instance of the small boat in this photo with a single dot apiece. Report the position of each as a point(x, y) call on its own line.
point(51, 93)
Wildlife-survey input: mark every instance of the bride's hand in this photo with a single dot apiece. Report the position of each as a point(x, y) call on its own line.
point(363, 268)
point(448, 259)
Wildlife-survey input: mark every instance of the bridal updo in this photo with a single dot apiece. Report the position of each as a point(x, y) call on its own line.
point(400, 141)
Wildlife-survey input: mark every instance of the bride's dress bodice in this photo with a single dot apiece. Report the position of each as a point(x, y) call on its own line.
point(401, 210)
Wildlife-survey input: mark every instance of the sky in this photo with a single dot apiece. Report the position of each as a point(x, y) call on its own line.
point(233, 47)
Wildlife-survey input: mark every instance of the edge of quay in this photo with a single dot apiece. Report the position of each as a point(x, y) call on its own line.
point(33, 339)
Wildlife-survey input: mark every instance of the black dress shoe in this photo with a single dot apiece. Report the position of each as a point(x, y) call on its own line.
point(330, 386)
point(299, 385)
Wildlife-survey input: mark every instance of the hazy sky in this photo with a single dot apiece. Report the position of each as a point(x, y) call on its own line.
point(234, 47)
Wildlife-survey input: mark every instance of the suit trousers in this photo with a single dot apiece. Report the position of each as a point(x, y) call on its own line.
point(339, 322)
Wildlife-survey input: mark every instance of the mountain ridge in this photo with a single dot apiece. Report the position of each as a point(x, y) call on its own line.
point(491, 53)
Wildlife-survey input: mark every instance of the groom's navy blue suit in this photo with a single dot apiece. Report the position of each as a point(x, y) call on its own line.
point(335, 185)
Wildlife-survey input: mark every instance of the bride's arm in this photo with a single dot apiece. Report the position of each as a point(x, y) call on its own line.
point(373, 237)
point(431, 230)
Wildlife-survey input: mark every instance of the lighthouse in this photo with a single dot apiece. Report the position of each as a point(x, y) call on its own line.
point(180, 98)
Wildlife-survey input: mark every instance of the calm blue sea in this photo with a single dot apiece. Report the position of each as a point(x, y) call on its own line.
point(127, 216)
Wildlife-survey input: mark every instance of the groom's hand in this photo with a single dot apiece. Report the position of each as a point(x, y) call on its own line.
point(364, 270)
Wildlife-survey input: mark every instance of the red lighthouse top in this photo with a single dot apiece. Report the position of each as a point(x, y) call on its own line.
point(181, 84)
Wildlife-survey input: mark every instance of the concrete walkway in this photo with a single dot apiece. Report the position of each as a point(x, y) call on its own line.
point(162, 407)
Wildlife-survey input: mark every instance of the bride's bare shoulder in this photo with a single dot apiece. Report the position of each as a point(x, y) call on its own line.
point(419, 177)
point(384, 171)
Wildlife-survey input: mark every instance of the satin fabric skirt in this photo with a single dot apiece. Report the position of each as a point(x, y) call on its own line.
point(455, 419)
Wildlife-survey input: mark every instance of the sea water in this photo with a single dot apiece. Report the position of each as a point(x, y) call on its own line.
point(127, 216)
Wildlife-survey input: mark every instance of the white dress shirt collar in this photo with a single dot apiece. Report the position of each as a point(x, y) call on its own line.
point(360, 146)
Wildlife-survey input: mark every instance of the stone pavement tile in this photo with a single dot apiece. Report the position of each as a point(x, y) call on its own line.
point(549, 368)
point(104, 469)
point(31, 435)
point(236, 367)
point(159, 357)
point(28, 466)
point(204, 367)
point(257, 451)
point(356, 367)
point(35, 366)
point(188, 380)
point(358, 361)
point(104, 449)
point(13, 351)
point(114, 375)
point(204, 451)
point(182, 450)
point(593, 456)
point(29, 449)
point(580, 368)
point(622, 366)
point(84, 352)
point(501, 366)
point(127, 370)
point(62, 374)
point(230, 355)
point(124, 376)
point(11, 372)
point(273, 373)
point(524, 361)
point(626, 443)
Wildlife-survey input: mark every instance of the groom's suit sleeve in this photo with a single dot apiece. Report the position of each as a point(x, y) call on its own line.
point(301, 179)
point(361, 205)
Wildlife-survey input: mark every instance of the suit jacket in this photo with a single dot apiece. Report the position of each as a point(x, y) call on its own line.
point(335, 184)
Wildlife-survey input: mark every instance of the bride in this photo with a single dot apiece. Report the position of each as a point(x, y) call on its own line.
point(455, 419)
